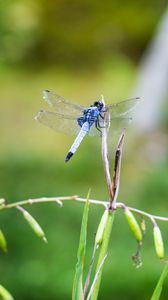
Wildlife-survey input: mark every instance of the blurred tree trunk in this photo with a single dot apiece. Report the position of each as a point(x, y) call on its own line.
point(152, 82)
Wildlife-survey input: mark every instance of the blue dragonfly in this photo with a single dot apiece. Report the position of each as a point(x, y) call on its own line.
point(71, 118)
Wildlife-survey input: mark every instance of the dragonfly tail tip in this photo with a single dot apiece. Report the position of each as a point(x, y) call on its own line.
point(69, 155)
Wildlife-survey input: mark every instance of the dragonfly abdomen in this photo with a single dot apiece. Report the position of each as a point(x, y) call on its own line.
point(84, 130)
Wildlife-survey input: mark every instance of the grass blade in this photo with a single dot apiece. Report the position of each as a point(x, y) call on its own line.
point(96, 277)
point(87, 282)
point(102, 254)
point(158, 289)
point(77, 293)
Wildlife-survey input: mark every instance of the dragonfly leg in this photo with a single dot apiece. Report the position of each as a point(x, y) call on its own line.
point(103, 118)
point(97, 125)
point(80, 121)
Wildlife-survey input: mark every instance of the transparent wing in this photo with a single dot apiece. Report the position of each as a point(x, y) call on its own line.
point(123, 108)
point(58, 122)
point(93, 131)
point(62, 106)
point(115, 130)
point(116, 125)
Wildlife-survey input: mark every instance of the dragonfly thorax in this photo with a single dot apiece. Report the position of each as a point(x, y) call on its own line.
point(94, 110)
point(91, 113)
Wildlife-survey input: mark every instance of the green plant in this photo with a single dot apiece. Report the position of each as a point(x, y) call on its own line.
point(91, 290)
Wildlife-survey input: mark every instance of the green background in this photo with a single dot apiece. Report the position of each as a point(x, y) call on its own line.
point(80, 49)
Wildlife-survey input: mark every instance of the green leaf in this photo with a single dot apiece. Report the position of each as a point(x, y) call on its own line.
point(4, 294)
point(77, 293)
point(158, 289)
point(103, 253)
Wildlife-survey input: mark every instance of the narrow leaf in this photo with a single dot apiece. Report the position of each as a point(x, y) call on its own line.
point(3, 243)
point(96, 277)
point(77, 293)
point(103, 252)
point(4, 294)
point(158, 289)
point(87, 282)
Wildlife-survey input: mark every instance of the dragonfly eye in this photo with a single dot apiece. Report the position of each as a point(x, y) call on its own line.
point(98, 104)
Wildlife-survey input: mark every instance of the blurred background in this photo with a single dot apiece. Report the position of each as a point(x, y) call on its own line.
point(80, 49)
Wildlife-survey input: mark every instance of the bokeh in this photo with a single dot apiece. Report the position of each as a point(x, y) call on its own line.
point(79, 49)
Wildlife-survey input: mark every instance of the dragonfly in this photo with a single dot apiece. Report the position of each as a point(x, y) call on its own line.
point(71, 118)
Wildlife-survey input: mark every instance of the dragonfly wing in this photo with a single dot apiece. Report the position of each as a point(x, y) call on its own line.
point(93, 131)
point(61, 105)
point(123, 108)
point(117, 124)
point(58, 122)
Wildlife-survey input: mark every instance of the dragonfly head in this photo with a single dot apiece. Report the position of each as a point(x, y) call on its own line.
point(98, 104)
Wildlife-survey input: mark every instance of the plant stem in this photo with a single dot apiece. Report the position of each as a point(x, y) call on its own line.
point(103, 253)
point(115, 184)
point(104, 148)
point(60, 201)
point(142, 213)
